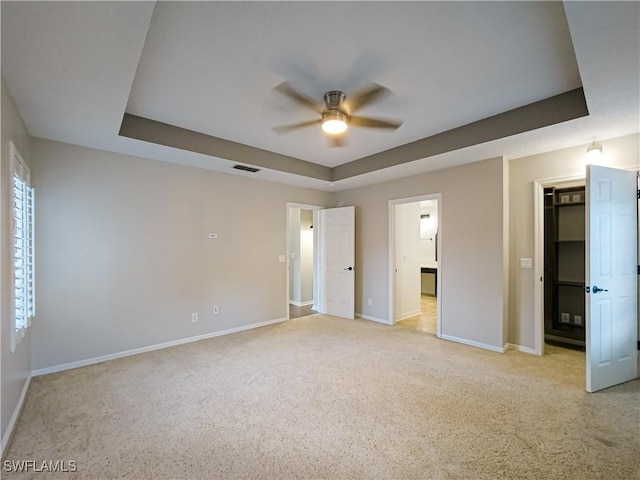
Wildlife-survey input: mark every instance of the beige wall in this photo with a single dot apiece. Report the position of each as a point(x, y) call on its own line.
point(124, 256)
point(472, 247)
point(620, 152)
point(16, 367)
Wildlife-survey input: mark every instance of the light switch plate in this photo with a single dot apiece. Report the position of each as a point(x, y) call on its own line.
point(282, 258)
point(526, 263)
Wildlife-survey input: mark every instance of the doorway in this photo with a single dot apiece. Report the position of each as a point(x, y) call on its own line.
point(608, 293)
point(415, 253)
point(564, 266)
point(544, 241)
point(302, 260)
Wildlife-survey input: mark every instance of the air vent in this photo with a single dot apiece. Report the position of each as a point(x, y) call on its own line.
point(246, 169)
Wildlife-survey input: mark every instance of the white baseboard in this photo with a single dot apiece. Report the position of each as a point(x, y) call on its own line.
point(150, 348)
point(519, 348)
point(408, 315)
point(14, 417)
point(373, 319)
point(486, 346)
point(300, 304)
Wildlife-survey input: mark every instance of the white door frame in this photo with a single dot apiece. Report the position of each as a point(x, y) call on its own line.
point(392, 255)
point(538, 246)
point(538, 249)
point(317, 292)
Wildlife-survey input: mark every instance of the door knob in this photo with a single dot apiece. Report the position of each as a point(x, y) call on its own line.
point(597, 289)
point(350, 268)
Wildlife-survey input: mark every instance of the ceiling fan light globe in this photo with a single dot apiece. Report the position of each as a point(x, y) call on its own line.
point(334, 122)
point(334, 126)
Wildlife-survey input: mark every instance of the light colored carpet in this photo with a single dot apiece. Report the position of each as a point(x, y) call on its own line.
point(321, 397)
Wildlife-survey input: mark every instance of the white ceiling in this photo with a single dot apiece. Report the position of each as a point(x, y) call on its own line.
point(74, 68)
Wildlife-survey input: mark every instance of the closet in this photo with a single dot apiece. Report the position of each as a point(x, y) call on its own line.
point(564, 266)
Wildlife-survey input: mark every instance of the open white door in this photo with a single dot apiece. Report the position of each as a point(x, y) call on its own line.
point(611, 277)
point(337, 262)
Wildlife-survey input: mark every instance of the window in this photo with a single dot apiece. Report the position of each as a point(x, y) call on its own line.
point(22, 254)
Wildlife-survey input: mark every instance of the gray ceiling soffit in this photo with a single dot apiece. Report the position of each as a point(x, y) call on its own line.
point(550, 111)
point(148, 130)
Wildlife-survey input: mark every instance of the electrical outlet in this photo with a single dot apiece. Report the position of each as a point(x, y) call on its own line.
point(216, 310)
point(577, 319)
point(369, 301)
point(194, 317)
point(565, 318)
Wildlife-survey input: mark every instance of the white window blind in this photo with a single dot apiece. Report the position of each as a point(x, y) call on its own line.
point(23, 247)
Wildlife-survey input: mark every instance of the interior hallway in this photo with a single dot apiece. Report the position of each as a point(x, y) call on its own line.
point(427, 320)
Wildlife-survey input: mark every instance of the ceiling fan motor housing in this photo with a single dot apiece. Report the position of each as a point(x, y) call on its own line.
point(334, 99)
point(336, 115)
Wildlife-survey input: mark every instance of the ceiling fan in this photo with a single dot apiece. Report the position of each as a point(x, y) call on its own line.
point(337, 113)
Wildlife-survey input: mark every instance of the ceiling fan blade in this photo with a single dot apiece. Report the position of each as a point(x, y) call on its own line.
point(371, 94)
point(294, 126)
point(374, 122)
point(337, 141)
point(287, 90)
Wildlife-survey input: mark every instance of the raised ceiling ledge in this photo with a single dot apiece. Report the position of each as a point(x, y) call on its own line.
point(550, 111)
point(148, 130)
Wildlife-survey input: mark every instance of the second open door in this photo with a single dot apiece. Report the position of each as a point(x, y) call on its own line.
point(611, 277)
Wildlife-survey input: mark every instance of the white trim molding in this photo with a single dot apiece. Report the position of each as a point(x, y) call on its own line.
point(408, 315)
point(14, 417)
point(392, 256)
point(538, 249)
point(373, 319)
point(150, 348)
point(300, 304)
point(520, 348)
point(317, 291)
point(472, 343)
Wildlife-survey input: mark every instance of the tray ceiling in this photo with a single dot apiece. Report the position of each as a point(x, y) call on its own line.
point(206, 71)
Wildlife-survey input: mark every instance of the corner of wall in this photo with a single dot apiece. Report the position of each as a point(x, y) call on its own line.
point(505, 250)
point(7, 434)
point(16, 367)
